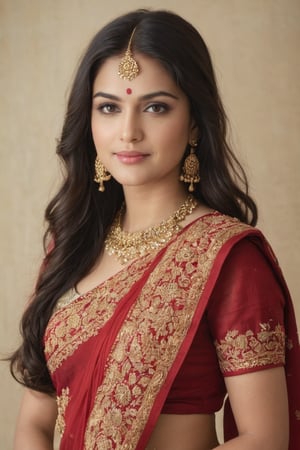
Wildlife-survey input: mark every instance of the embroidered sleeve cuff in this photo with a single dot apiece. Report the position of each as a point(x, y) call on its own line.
point(249, 351)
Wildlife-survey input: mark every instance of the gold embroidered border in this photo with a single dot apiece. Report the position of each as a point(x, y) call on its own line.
point(62, 402)
point(152, 334)
point(77, 321)
point(238, 351)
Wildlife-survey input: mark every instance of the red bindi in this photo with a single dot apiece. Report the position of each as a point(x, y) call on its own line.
point(128, 91)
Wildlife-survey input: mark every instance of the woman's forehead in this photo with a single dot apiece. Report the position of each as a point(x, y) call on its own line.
point(153, 76)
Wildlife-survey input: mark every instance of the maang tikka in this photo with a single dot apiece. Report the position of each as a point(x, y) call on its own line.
point(128, 67)
point(101, 174)
point(191, 167)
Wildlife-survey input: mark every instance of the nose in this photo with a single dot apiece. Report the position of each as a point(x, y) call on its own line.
point(131, 130)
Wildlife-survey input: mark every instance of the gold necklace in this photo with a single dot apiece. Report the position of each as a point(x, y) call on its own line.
point(128, 246)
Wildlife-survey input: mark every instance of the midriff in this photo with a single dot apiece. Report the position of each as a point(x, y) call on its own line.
point(184, 432)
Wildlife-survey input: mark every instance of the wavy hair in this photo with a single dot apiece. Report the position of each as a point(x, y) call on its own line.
point(79, 216)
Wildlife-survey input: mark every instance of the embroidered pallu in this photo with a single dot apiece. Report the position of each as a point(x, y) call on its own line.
point(114, 352)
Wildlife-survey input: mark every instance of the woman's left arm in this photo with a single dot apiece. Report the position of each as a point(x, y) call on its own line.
point(260, 407)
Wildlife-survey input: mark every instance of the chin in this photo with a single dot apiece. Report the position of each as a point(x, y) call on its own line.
point(130, 182)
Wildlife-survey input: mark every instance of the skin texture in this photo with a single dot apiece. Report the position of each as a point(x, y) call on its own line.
point(36, 422)
point(141, 139)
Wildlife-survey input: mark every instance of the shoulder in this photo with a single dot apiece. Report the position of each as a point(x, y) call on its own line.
point(218, 232)
point(249, 276)
point(218, 225)
point(225, 244)
point(249, 258)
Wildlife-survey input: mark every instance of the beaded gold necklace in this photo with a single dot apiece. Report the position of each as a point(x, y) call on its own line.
point(128, 246)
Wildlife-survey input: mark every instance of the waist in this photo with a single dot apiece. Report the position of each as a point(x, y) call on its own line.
point(184, 432)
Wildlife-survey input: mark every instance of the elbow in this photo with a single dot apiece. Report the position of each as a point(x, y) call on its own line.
point(279, 440)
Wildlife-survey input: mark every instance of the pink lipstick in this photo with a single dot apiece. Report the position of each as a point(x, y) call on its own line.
point(131, 157)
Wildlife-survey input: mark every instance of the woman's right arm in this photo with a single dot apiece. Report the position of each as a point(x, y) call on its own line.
point(36, 422)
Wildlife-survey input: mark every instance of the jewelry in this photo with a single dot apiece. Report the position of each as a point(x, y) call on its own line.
point(191, 168)
point(127, 246)
point(101, 174)
point(128, 67)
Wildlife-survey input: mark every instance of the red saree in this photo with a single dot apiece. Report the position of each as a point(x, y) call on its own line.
point(114, 352)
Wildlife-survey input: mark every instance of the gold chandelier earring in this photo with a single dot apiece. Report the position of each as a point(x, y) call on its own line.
point(101, 174)
point(191, 167)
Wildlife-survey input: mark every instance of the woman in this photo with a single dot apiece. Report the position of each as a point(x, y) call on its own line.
point(157, 296)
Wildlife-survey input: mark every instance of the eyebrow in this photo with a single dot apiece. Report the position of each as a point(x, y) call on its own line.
point(143, 97)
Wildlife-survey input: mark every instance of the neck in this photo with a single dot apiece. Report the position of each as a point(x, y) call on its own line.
point(134, 244)
point(145, 209)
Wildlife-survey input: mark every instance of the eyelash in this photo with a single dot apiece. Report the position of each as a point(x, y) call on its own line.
point(102, 108)
point(162, 106)
point(111, 108)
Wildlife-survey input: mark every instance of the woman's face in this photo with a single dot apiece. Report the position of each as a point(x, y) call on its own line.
point(141, 127)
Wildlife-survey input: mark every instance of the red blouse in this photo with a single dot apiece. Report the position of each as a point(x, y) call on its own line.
point(241, 331)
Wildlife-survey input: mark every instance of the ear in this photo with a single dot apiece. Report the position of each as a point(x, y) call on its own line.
point(194, 131)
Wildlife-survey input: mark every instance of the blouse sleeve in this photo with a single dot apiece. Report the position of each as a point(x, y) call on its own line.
point(246, 313)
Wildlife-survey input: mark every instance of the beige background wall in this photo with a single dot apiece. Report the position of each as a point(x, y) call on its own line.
point(255, 46)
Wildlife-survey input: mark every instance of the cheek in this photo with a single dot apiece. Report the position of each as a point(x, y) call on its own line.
point(98, 133)
point(178, 137)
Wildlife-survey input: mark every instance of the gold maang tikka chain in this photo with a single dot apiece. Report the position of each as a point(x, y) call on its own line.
point(128, 67)
point(128, 246)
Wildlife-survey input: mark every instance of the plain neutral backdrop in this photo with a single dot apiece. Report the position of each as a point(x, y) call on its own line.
point(255, 48)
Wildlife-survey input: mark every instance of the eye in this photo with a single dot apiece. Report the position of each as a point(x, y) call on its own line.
point(157, 108)
point(108, 108)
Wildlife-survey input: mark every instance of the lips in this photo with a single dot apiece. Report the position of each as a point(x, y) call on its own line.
point(131, 157)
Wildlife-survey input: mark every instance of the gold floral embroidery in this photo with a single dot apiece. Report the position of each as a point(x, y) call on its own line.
point(62, 402)
point(247, 350)
point(150, 337)
point(78, 319)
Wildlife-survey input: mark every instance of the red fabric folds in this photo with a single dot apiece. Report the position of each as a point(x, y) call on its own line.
point(175, 292)
point(92, 372)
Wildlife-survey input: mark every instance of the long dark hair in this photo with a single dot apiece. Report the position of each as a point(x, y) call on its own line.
point(79, 215)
